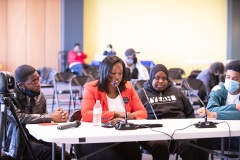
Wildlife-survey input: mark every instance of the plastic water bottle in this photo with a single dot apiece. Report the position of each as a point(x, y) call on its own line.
point(97, 114)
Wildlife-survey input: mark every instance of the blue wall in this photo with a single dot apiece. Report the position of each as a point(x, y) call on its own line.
point(72, 24)
point(233, 33)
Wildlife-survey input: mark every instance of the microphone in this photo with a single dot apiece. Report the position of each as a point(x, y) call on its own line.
point(206, 123)
point(123, 125)
point(69, 125)
point(150, 104)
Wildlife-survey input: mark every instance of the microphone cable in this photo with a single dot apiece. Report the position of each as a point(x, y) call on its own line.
point(229, 137)
point(204, 149)
point(169, 144)
point(174, 133)
point(171, 138)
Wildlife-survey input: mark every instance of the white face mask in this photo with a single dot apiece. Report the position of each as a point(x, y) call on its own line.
point(108, 49)
point(129, 61)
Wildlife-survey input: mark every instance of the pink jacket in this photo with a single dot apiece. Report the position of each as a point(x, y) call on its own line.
point(91, 94)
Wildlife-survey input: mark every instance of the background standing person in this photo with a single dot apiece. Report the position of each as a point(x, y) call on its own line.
point(30, 108)
point(112, 70)
point(167, 101)
point(211, 76)
point(136, 69)
point(224, 104)
point(76, 59)
point(109, 51)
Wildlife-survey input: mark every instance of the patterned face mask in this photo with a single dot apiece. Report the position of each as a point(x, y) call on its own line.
point(231, 86)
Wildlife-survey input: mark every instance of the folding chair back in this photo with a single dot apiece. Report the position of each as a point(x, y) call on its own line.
point(174, 74)
point(139, 84)
point(190, 85)
point(194, 73)
point(94, 75)
point(60, 83)
point(180, 70)
point(76, 86)
point(75, 116)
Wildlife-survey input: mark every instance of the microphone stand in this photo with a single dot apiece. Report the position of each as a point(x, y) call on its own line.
point(123, 125)
point(150, 104)
point(206, 123)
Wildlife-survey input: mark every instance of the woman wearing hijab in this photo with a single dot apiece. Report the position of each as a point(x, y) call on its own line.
point(167, 102)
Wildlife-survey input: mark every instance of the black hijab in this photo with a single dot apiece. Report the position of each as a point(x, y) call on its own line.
point(157, 68)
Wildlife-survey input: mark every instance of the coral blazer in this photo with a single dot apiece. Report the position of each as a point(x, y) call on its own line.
point(91, 94)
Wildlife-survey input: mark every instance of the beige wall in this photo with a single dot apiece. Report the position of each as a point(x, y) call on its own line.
point(30, 33)
point(172, 32)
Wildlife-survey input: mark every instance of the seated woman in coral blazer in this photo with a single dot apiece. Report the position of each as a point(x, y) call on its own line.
point(112, 70)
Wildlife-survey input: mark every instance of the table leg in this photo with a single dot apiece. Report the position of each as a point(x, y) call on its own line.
point(222, 147)
point(63, 151)
point(239, 148)
point(53, 151)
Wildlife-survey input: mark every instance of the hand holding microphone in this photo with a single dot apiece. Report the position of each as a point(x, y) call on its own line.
point(69, 125)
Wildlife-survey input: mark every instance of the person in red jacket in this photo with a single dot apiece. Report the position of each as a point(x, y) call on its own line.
point(76, 59)
point(111, 70)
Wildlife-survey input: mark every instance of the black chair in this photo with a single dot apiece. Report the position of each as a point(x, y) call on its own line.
point(194, 73)
point(88, 69)
point(76, 84)
point(93, 75)
point(138, 84)
point(174, 74)
point(61, 86)
point(190, 85)
point(63, 60)
point(91, 72)
point(75, 116)
point(180, 70)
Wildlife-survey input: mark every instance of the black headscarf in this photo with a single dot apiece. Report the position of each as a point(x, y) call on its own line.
point(156, 69)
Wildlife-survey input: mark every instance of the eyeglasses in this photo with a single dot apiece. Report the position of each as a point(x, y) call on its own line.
point(158, 78)
point(34, 81)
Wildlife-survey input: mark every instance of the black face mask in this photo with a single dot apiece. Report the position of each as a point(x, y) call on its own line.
point(30, 93)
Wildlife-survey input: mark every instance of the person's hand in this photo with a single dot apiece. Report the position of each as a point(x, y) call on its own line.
point(122, 115)
point(201, 112)
point(59, 115)
point(116, 120)
point(238, 106)
point(130, 116)
point(119, 114)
